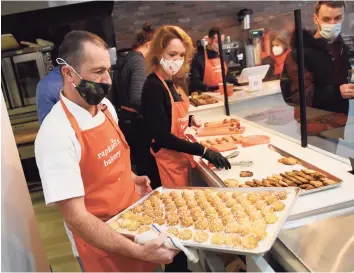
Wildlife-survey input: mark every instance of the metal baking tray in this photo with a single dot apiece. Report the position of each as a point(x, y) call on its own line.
point(309, 166)
point(264, 245)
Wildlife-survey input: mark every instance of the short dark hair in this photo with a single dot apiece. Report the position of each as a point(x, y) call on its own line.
point(213, 31)
point(332, 4)
point(143, 36)
point(71, 49)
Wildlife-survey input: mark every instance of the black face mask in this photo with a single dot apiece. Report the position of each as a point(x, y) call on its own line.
point(92, 92)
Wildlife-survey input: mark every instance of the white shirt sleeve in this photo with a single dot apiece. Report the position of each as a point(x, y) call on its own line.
point(58, 162)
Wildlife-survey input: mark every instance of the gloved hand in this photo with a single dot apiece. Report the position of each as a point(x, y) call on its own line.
point(217, 159)
point(213, 88)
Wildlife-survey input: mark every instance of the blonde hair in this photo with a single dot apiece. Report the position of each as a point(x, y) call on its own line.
point(162, 38)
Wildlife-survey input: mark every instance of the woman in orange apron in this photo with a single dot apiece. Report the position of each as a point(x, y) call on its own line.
point(165, 108)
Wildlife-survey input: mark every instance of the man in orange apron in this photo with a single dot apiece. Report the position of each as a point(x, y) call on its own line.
point(84, 162)
point(206, 72)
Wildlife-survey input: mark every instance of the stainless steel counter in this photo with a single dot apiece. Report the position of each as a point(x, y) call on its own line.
point(323, 242)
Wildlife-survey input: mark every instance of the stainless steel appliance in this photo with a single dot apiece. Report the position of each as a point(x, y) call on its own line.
point(21, 72)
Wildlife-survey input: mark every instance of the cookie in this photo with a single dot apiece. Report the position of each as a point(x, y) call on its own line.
point(278, 206)
point(185, 234)
point(173, 231)
point(270, 218)
point(232, 240)
point(249, 242)
point(288, 161)
point(216, 226)
point(218, 238)
point(200, 236)
point(201, 224)
point(231, 182)
point(246, 174)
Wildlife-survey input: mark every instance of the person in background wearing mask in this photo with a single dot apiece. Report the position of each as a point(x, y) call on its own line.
point(89, 182)
point(326, 60)
point(165, 111)
point(206, 68)
point(128, 81)
point(279, 51)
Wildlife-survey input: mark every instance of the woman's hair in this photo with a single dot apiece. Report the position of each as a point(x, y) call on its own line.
point(161, 39)
point(143, 36)
point(283, 38)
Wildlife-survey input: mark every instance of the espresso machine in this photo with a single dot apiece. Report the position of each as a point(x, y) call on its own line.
point(233, 55)
point(252, 39)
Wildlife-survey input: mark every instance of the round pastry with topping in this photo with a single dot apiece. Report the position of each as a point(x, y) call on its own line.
point(249, 242)
point(164, 196)
point(156, 193)
point(220, 207)
point(237, 207)
point(186, 221)
point(125, 223)
point(232, 228)
point(170, 207)
point(146, 220)
point(244, 229)
point(216, 226)
point(158, 212)
point(148, 212)
point(255, 215)
point(133, 226)
point(173, 231)
point(230, 203)
point(192, 204)
point(232, 183)
point(147, 204)
point(267, 210)
point(282, 195)
point(159, 220)
point(187, 194)
point(114, 224)
point(270, 218)
point(172, 221)
point(253, 197)
point(136, 217)
point(240, 214)
point(228, 219)
point(232, 240)
point(197, 216)
point(143, 229)
point(201, 224)
point(137, 209)
point(260, 204)
point(127, 215)
point(185, 234)
point(205, 205)
point(270, 199)
point(223, 212)
point(218, 239)
point(201, 236)
point(174, 195)
point(278, 206)
point(210, 211)
point(212, 218)
point(183, 210)
point(258, 231)
point(236, 194)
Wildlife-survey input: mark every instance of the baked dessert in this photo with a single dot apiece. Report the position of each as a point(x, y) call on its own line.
point(218, 239)
point(288, 161)
point(159, 220)
point(201, 236)
point(253, 197)
point(233, 227)
point(137, 209)
point(270, 218)
point(232, 240)
point(231, 182)
point(201, 224)
point(143, 229)
point(185, 234)
point(278, 205)
point(173, 231)
point(230, 203)
point(127, 215)
point(146, 220)
point(186, 221)
point(126, 223)
point(133, 226)
point(246, 174)
point(249, 242)
point(216, 226)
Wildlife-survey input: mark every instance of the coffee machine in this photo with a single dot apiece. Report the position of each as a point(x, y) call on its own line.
point(233, 56)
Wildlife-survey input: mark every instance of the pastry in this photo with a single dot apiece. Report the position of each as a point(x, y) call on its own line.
point(201, 236)
point(148, 212)
point(268, 183)
point(270, 199)
point(172, 220)
point(249, 242)
point(143, 229)
point(258, 182)
point(319, 175)
point(278, 205)
point(282, 195)
point(210, 211)
point(244, 229)
point(258, 231)
point(186, 221)
point(250, 184)
point(240, 214)
point(173, 231)
point(301, 179)
point(246, 174)
point(158, 212)
point(156, 193)
point(201, 224)
point(147, 204)
point(236, 194)
point(224, 212)
point(304, 186)
point(270, 218)
point(277, 176)
point(159, 220)
point(316, 184)
point(126, 223)
point(255, 215)
point(230, 203)
point(146, 220)
point(136, 217)
point(170, 207)
point(180, 203)
point(282, 183)
point(127, 215)
point(228, 219)
point(308, 171)
point(137, 209)
point(192, 204)
point(232, 228)
point(231, 182)
point(253, 197)
point(260, 204)
point(307, 177)
point(218, 238)
point(267, 210)
point(327, 181)
point(164, 195)
point(215, 226)
point(232, 240)
point(133, 226)
point(185, 234)
point(114, 224)
point(288, 161)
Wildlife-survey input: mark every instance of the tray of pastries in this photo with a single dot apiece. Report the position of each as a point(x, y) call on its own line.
point(277, 168)
point(224, 127)
point(234, 220)
point(202, 99)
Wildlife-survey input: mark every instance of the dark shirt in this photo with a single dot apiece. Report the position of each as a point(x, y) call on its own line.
point(157, 111)
point(197, 71)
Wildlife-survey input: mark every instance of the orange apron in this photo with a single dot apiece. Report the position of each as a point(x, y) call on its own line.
point(109, 188)
point(212, 71)
point(174, 166)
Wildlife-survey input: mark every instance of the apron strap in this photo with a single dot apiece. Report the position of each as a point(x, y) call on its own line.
point(166, 86)
point(73, 122)
point(115, 125)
